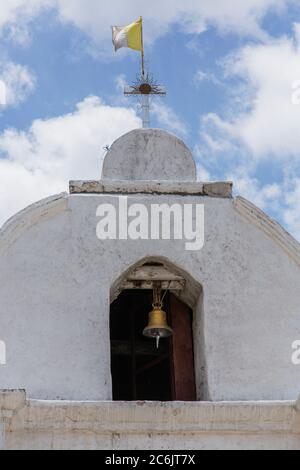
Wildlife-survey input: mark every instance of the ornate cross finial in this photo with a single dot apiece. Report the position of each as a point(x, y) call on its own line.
point(145, 87)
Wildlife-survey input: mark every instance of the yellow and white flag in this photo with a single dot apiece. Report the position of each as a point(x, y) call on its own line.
point(129, 36)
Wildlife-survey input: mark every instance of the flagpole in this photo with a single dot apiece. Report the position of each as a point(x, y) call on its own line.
point(142, 52)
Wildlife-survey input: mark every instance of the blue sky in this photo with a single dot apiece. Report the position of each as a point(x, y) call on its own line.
point(229, 68)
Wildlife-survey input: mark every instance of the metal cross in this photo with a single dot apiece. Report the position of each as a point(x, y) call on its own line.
point(145, 87)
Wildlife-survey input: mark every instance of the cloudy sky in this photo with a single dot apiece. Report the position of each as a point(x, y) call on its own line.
point(231, 68)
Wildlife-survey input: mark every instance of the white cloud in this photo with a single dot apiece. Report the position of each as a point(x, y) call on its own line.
point(202, 173)
point(17, 83)
point(3, 93)
point(242, 17)
point(167, 118)
point(42, 160)
point(268, 197)
point(94, 17)
point(260, 128)
point(202, 76)
point(16, 15)
point(265, 120)
point(281, 200)
point(120, 83)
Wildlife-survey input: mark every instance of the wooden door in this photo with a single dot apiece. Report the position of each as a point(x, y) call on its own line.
point(182, 357)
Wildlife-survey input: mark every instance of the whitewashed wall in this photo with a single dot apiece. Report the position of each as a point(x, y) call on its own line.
point(55, 280)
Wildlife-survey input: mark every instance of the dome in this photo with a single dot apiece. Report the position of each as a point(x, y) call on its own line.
point(149, 154)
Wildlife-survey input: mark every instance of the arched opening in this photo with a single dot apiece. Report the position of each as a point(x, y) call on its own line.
point(140, 370)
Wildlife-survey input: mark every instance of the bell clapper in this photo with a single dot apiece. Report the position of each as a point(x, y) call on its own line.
point(157, 341)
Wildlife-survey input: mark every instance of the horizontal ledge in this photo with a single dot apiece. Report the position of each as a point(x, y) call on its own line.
point(168, 417)
point(214, 189)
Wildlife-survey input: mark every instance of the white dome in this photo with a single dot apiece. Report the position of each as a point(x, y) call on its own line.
point(151, 155)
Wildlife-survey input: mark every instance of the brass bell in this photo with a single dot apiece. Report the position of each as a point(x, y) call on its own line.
point(157, 327)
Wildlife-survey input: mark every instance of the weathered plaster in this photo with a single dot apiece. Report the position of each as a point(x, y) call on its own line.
point(45, 425)
point(149, 154)
point(187, 188)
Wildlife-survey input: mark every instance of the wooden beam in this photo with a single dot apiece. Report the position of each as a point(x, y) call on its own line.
point(171, 285)
point(144, 277)
point(153, 273)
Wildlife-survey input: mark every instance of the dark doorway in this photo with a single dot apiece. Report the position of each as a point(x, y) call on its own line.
point(140, 371)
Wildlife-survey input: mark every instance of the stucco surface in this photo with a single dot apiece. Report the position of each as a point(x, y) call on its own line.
point(65, 425)
point(149, 154)
point(55, 281)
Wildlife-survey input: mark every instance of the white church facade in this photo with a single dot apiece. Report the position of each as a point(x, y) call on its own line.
point(77, 273)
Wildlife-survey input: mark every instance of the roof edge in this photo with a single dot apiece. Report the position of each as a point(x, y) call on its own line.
point(31, 215)
point(269, 226)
